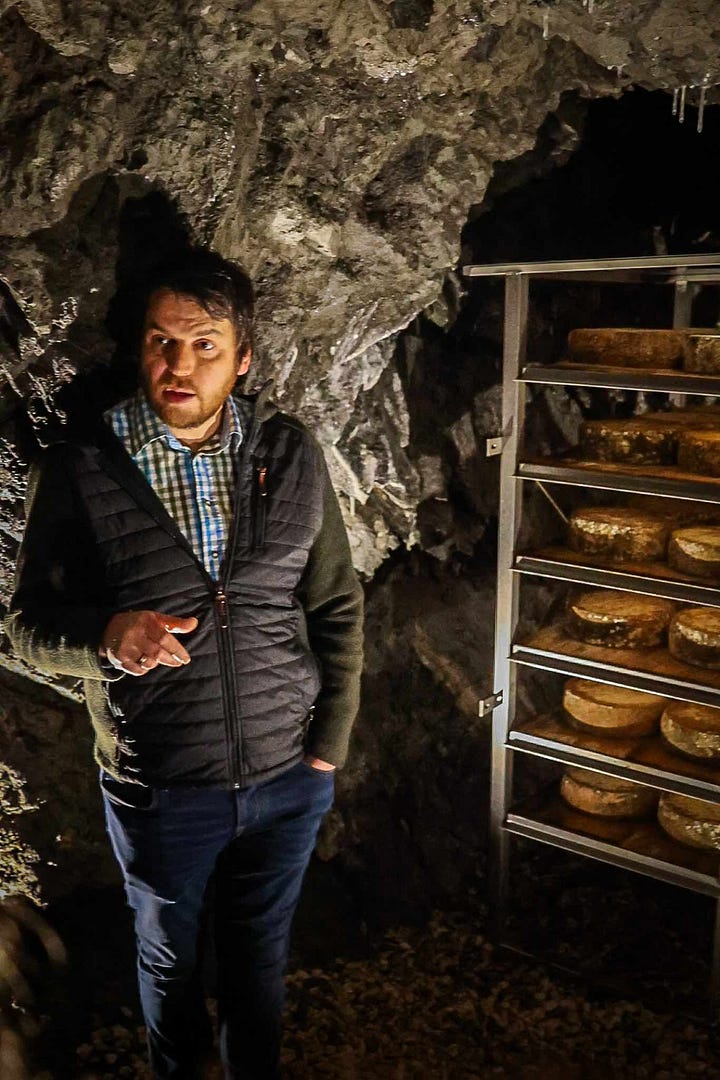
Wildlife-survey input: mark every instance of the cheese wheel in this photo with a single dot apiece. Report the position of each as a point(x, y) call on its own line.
point(699, 452)
point(692, 729)
point(637, 441)
point(695, 636)
point(701, 354)
point(694, 822)
point(696, 551)
point(606, 796)
point(649, 439)
point(611, 710)
point(618, 619)
point(627, 347)
point(619, 532)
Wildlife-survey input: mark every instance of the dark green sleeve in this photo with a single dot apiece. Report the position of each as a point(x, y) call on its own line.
point(332, 598)
point(57, 615)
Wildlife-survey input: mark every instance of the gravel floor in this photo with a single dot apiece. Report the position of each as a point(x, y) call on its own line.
point(441, 1003)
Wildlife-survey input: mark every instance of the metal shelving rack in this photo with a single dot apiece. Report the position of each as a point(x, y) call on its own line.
point(685, 274)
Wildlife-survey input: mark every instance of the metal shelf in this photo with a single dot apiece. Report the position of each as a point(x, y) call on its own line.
point(615, 675)
point(626, 581)
point(532, 828)
point(659, 270)
point(670, 382)
point(638, 483)
point(660, 858)
point(647, 772)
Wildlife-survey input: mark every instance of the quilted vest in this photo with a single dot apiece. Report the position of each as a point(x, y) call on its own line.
point(238, 712)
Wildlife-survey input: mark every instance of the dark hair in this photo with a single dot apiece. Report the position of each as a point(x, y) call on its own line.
point(221, 287)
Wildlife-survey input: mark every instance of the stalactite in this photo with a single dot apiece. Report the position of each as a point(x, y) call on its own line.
point(683, 95)
point(701, 108)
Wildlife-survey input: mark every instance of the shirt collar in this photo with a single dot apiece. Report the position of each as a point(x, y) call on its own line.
point(145, 426)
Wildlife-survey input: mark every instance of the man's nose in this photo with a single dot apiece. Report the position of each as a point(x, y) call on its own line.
point(180, 359)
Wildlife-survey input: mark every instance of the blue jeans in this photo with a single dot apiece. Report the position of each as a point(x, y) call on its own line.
point(256, 844)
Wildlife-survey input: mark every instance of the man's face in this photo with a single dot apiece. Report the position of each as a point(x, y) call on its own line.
point(189, 363)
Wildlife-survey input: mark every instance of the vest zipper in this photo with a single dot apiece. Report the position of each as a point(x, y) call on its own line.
point(259, 520)
point(224, 623)
point(226, 655)
point(222, 610)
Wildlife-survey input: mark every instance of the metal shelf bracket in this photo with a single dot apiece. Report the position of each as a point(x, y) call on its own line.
point(486, 706)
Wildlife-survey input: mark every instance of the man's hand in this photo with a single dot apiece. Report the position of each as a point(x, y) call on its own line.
point(137, 641)
point(319, 764)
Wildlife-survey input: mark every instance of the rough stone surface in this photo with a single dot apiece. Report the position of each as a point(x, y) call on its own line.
point(52, 837)
point(410, 818)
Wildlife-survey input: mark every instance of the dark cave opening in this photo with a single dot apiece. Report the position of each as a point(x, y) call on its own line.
point(638, 183)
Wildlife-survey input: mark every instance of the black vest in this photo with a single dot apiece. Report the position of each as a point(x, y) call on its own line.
point(238, 712)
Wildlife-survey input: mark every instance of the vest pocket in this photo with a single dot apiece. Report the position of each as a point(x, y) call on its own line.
point(259, 507)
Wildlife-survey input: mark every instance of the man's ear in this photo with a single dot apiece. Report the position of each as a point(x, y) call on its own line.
point(244, 361)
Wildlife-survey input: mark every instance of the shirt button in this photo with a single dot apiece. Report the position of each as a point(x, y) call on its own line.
point(214, 554)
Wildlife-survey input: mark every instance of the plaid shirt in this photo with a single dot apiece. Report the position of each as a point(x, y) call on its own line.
point(196, 489)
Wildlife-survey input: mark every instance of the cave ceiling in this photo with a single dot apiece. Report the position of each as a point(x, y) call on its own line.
point(335, 148)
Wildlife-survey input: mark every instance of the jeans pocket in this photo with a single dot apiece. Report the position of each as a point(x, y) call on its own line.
point(122, 793)
point(318, 772)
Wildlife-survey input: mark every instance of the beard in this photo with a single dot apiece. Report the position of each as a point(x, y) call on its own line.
point(182, 417)
point(186, 416)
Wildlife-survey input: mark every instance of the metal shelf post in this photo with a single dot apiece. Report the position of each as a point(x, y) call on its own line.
point(513, 413)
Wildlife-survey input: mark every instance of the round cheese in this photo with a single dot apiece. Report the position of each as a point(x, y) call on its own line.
point(699, 452)
point(701, 353)
point(694, 822)
point(638, 441)
point(648, 439)
point(618, 619)
point(619, 532)
point(692, 729)
point(611, 710)
point(696, 551)
point(627, 347)
point(606, 796)
point(695, 636)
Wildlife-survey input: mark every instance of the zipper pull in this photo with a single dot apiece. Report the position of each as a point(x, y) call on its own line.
point(221, 603)
point(262, 480)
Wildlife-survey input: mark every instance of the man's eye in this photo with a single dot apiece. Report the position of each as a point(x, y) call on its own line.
point(206, 346)
point(160, 340)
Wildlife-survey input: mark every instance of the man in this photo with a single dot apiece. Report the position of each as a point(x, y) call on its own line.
point(187, 559)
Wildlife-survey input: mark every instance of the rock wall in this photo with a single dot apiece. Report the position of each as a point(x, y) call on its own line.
point(336, 149)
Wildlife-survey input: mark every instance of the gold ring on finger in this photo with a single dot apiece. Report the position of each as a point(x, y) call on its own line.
point(142, 660)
